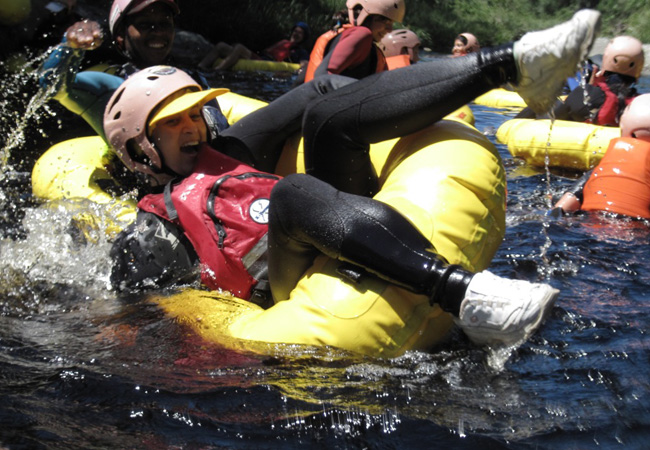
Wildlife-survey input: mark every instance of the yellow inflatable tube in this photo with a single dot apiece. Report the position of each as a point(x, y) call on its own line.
point(75, 169)
point(256, 65)
point(568, 145)
point(449, 181)
point(501, 98)
point(14, 12)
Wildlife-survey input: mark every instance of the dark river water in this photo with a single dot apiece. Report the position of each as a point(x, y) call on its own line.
point(82, 368)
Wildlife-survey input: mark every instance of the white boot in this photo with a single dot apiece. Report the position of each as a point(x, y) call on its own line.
point(501, 311)
point(545, 59)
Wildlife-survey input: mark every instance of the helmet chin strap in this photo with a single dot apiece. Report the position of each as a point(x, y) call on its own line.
point(164, 169)
point(133, 58)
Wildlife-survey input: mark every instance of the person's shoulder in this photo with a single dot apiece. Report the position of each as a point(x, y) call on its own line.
point(357, 32)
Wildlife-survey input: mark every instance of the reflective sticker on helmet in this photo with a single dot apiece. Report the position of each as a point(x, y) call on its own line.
point(163, 70)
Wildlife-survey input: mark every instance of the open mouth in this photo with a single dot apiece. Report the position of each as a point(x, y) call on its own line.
point(191, 148)
point(157, 45)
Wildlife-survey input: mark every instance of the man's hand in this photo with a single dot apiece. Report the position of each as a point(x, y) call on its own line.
point(86, 35)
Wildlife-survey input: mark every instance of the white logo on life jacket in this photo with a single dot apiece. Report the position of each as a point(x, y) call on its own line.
point(259, 210)
point(163, 233)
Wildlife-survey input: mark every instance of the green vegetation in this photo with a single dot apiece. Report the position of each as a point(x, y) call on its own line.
point(437, 22)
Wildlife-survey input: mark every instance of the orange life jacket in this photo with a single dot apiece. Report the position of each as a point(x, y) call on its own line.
point(318, 51)
point(397, 61)
point(325, 46)
point(621, 182)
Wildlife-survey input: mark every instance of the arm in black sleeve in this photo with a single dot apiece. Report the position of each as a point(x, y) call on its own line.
point(578, 187)
point(571, 200)
point(152, 253)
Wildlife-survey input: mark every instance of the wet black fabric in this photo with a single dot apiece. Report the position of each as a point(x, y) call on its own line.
point(308, 217)
point(338, 127)
point(258, 138)
point(152, 252)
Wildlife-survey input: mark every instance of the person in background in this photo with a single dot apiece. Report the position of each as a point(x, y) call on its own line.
point(603, 99)
point(291, 50)
point(142, 32)
point(401, 48)
point(352, 50)
point(620, 183)
point(465, 43)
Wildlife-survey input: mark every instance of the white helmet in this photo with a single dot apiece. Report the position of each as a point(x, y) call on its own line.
point(393, 43)
point(122, 8)
point(129, 113)
point(393, 9)
point(624, 55)
point(635, 121)
point(470, 42)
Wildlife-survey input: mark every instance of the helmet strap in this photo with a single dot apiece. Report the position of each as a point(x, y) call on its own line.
point(165, 169)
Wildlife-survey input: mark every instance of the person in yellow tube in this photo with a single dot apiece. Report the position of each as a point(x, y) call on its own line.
point(401, 48)
point(187, 222)
point(465, 43)
point(620, 183)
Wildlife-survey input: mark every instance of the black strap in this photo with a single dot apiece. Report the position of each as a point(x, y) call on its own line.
point(169, 204)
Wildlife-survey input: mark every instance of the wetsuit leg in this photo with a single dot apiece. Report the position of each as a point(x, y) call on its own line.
point(308, 217)
point(339, 127)
point(258, 138)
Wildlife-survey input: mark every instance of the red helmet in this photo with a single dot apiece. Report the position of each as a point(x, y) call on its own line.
point(393, 43)
point(393, 9)
point(129, 112)
point(624, 55)
point(635, 121)
point(121, 8)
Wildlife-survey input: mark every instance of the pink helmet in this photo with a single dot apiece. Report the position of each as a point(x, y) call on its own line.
point(130, 108)
point(393, 43)
point(635, 121)
point(472, 42)
point(624, 55)
point(121, 8)
point(393, 9)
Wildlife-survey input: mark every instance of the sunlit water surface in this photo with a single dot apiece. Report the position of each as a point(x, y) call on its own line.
point(81, 368)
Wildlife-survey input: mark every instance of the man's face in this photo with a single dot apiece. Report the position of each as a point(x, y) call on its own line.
point(149, 35)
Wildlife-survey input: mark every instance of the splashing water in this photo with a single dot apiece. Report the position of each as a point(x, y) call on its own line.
point(57, 235)
point(17, 117)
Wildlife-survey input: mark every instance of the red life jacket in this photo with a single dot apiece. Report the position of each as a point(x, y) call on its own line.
point(610, 111)
point(222, 208)
point(280, 51)
point(325, 45)
point(621, 181)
